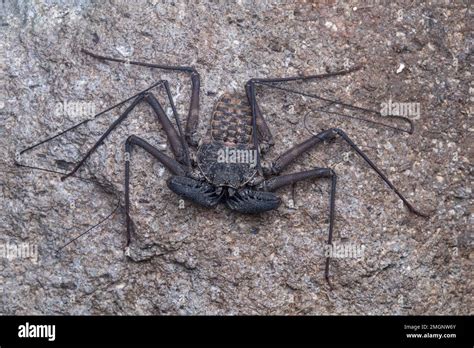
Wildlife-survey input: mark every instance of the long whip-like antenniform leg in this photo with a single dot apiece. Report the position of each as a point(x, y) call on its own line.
point(193, 114)
point(172, 135)
point(103, 112)
point(177, 143)
point(264, 135)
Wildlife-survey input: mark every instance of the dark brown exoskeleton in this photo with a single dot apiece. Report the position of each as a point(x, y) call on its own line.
point(225, 166)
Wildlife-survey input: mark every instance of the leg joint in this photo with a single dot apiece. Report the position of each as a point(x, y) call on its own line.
point(339, 131)
point(130, 140)
point(250, 82)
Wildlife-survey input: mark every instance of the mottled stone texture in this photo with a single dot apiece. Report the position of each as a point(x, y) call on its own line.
point(198, 261)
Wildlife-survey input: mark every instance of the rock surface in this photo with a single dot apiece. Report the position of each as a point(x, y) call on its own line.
point(198, 261)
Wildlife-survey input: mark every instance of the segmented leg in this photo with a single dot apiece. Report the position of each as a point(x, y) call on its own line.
point(289, 179)
point(172, 165)
point(176, 145)
point(264, 134)
point(193, 114)
point(261, 132)
point(286, 158)
point(292, 154)
point(289, 156)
